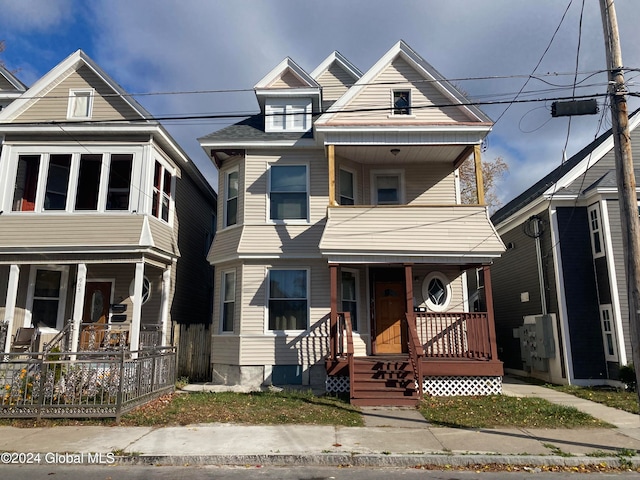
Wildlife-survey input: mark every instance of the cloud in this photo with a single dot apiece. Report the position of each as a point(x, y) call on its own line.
point(30, 15)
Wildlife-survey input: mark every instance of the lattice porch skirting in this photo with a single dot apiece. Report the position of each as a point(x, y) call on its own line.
point(436, 386)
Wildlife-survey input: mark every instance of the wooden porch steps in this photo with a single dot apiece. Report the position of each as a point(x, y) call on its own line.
point(383, 381)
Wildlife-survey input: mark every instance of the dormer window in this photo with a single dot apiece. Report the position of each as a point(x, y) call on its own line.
point(288, 114)
point(80, 104)
point(402, 102)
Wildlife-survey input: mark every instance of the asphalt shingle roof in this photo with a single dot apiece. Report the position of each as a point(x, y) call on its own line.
point(252, 129)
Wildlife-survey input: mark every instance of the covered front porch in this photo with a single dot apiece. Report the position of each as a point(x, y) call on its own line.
point(84, 305)
point(412, 351)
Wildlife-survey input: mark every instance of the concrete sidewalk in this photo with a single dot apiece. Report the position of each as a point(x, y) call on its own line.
point(398, 437)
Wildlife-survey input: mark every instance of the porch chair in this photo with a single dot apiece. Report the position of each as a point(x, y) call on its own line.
point(25, 339)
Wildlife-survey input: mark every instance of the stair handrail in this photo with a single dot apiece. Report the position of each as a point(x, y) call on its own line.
point(416, 351)
point(350, 350)
point(47, 347)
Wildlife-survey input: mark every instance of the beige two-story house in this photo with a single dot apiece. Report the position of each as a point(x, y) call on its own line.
point(342, 248)
point(104, 220)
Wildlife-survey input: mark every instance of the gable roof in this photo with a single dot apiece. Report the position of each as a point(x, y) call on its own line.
point(56, 75)
point(424, 69)
point(11, 80)
point(336, 58)
point(287, 66)
point(562, 176)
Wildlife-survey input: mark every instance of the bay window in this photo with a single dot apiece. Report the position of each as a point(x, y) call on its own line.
point(288, 299)
point(288, 192)
point(162, 189)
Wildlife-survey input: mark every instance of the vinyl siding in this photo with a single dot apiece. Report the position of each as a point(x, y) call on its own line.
point(53, 107)
point(263, 348)
point(400, 75)
point(193, 297)
point(614, 228)
point(455, 230)
point(288, 80)
point(515, 273)
point(335, 82)
point(70, 230)
point(581, 294)
point(163, 236)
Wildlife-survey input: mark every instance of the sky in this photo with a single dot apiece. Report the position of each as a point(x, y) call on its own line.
point(166, 50)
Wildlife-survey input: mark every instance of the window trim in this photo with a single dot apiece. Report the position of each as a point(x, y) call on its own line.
point(425, 291)
point(45, 153)
point(354, 184)
point(165, 167)
point(356, 300)
point(223, 301)
point(288, 108)
point(409, 113)
point(307, 192)
point(595, 208)
point(387, 173)
point(227, 175)
point(307, 271)
point(74, 94)
point(62, 296)
point(612, 331)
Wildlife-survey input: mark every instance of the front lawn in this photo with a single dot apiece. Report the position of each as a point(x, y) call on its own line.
point(495, 411)
point(616, 398)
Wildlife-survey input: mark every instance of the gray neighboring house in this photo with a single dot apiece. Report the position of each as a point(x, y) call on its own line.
point(105, 221)
point(564, 259)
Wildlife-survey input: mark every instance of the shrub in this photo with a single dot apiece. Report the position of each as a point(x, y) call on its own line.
point(628, 377)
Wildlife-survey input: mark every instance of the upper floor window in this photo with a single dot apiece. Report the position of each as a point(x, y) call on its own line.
point(347, 188)
point(288, 192)
point(80, 104)
point(72, 181)
point(387, 188)
point(401, 102)
point(162, 186)
point(288, 114)
point(595, 227)
point(231, 200)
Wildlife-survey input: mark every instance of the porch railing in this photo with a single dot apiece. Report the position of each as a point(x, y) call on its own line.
point(416, 351)
point(46, 385)
point(455, 335)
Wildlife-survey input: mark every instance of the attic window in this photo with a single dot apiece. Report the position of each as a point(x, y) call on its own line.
point(80, 104)
point(288, 114)
point(402, 102)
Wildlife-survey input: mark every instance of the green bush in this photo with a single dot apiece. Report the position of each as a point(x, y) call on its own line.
point(628, 377)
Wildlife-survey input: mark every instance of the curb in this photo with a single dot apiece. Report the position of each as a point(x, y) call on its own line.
point(378, 460)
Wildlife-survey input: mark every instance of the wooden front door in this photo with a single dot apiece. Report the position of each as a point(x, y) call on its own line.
point(389, 310)
point(95, 315)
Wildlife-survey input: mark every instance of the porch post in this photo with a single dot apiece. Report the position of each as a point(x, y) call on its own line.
point(479, 179)
point(488, 293)
point(10, 304)
point(78, 304)
point(333, 325)
point(331, 157)
point(134, 334)
point(408, 279)
point(164, 307)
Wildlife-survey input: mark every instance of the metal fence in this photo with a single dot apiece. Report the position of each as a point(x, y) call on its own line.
point(83, 384)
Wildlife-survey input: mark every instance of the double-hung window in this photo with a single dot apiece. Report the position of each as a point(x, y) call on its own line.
point(387, 188)
point(595, 228)
point(608, 334)
point(347, 188)
point(288, 192)
point(231, 201)
point(162, 188)
point(26, 185)
point(349, 296)
point(46, 296)
point(288, 299)
point(55, 196)
point(228, 301)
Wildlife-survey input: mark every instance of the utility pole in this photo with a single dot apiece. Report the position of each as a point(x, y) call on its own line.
point(627, 197)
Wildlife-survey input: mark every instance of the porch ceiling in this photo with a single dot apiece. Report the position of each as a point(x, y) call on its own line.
point(402, 154)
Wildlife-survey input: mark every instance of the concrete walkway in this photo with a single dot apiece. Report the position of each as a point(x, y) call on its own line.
point(391, 436)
